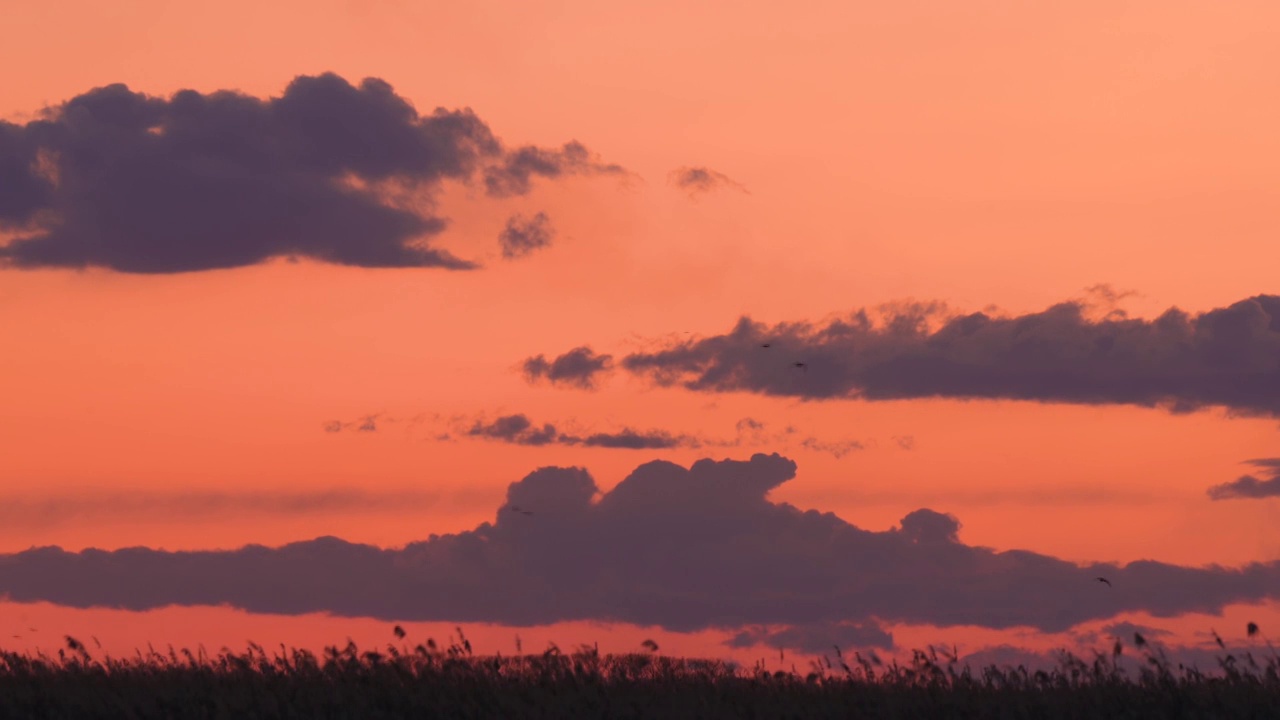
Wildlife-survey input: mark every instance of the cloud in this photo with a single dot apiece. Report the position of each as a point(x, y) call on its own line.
point(513, 175)
point(523, 235)
point(579, 368)
point(698, 180)
point(516, 429)
point(31, 513)
point(520, 430)
point(634, 440)
point(837, 449)
point(1224, 357)
point(682, 548)
point(328, 170)
point(1248, 487)
point(816, 638)
point(371, 423)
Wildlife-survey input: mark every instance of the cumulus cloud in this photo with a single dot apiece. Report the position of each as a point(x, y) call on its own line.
point(1224, 357)
point(522, 235)
point(1249, 487)
point(515, 429)
point(579, 368)
point(328, 170)
point(698, 180)
point(682, 548)
point(31, 512)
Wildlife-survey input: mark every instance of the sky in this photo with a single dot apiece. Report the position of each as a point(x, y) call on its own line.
point(745, 329)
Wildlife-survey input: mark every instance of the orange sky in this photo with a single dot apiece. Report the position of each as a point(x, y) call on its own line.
point(996, 154)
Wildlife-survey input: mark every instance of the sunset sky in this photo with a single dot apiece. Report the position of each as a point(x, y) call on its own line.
point(456, 314)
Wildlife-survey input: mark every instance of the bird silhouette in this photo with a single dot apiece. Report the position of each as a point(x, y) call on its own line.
point(802, 366)
point(765, 345)
point(399, 631)
point(1103, 580)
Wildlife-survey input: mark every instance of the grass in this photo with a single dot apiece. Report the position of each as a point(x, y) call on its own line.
point(429, 681)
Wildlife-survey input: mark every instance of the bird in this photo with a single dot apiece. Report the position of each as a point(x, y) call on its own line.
point(765, 345)
point(802, 366)
point(399, 631)
point(1103, 580)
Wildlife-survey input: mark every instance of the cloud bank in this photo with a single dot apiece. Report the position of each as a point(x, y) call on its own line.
point(681, 548)
point(1227, 357)
point(332, 171)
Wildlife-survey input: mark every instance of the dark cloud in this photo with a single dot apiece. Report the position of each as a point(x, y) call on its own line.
point(1226, 357)
point(516, 429)
point(816, 638)
point(339, 173)
point(523, 235)
point(520, 430)
point(681, 548)
point(1250, 487)
point(30, 513)
point(514, 174)
point(698, 180)
point(635, 440)
point(579, 367)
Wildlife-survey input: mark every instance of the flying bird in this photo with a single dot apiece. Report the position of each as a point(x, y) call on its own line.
point(1103, 580)
point(399, 631)
point(765, 345)
point(802, 366)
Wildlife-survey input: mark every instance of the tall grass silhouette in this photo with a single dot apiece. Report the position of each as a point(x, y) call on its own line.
point(428, 680)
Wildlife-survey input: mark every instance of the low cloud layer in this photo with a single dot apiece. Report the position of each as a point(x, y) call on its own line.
point(681, 548)
point(580, 367)
point(522, 235)
point(1228, 357)
point(816, 638)
point(1250, 487)
point(695, 181)
point(339, 173)
point(32, 513)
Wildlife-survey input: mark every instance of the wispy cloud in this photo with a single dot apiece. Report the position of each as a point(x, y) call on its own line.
point(520, 430)
point(695, 181)
point(31, 512)
point(522, 235)
point(1249, 487)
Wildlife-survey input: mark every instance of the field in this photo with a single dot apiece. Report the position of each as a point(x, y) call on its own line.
point(427, 681)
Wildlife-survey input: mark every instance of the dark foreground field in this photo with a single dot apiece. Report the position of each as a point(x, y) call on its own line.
point(428, 682)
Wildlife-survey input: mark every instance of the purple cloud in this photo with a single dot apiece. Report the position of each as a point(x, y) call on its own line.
point(118, 179)
point(682, 548)
point(1227, 357)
